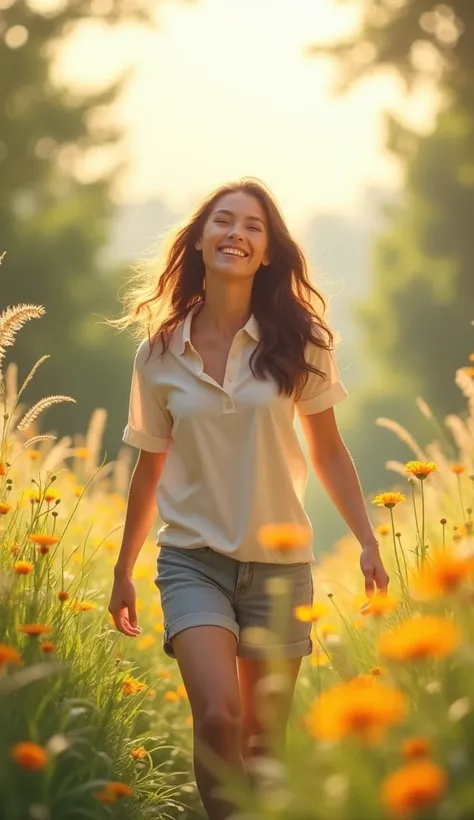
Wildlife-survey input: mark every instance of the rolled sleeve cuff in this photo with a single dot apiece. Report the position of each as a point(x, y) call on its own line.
point(336, 393)
point(145, 442)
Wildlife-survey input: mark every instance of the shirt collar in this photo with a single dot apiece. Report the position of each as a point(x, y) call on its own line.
point(251, 327)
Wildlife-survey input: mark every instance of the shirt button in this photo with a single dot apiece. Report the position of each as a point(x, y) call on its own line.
point(228, 404)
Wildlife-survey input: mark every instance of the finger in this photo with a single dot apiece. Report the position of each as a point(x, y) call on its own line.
point(121, 622)
point(382, 583)
point(132, 614)
point(369, 583)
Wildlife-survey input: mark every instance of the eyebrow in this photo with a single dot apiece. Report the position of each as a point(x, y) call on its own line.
point(231, 213)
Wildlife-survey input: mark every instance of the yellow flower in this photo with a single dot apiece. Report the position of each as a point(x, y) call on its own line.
point(80, 452)
point(382, 529)
point(29, 756)
point(42, 539)
point(35, 629)
point(23, 567)
point(379, 605)
point(172, 697)
point(138, 752)
point(158, 628)
point(4, 508)
point(81, 606)
point(469, 371)
point(181, 691)
point(132, 686)
point(9, 655)
point(33, 454)
point(283, 536)
point(310, 613)
point(415, 747)
point(145, 641)
point(444, 574)
point(414, 787)
point(428, 636)
point(421, 469)
point(78, 489)
point(388, 499)
point(319, 658)
point(356, 711)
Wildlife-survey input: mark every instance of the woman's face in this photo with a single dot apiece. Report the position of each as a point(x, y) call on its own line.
point(235, 238)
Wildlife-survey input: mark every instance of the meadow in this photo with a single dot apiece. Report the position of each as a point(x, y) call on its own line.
point(95, 725)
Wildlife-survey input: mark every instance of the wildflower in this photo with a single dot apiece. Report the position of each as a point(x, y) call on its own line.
point(47, 647)
point(388, 500)
point(181, 691)
point(41, 539)
point(78, 489)
point(379, 605)
point(352, 710)
point(421, 469)
point(138, 752)
point(189, 720)
point(319, 658)
point(34, 455)
point(458, 469)
point(283, 536)
point(63, 596)
point(376, 670)
point(22, 567)
point(81, 606)
point(132, 686)
point(414, 787)
point(172, 697)
point(113, 791)
point(328, 629)
point(427, 636)
point(414, 747)
point(15, 549)
point(80, 452)
point(382, 529)
point(444, 574)
point(35, 629)
point(158, 628)
point(9, 655)
point(3, 469)
point(471, 357)
point(310, 613)
point(145, 641)
point(29, 756)
point(469, 371)
point(4, 508)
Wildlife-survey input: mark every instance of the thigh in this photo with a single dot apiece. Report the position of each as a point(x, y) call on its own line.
point(206, 657)
point(270, 601)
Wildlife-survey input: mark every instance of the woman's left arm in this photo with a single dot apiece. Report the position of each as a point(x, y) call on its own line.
point(335, 469)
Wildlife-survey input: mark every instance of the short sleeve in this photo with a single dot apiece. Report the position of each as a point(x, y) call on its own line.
point(149, 421)
point(320, 393)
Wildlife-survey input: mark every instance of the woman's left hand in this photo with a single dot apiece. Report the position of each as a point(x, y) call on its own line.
point(373, 570)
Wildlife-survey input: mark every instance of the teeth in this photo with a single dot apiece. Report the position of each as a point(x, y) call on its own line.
point(232, 252)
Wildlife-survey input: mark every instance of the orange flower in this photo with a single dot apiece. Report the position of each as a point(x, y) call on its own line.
point(283, 536)
point(414, 787)
point(145, 641)
point(458, 469)
point(181, 691)
point(444, 574)
point(379, 605)
point(63, 596)
point(23, 567)
point(43, 540)
point(469, 371)
point(80, 452)
point(4, 508)
point(132, 686)
point(172, 697)
point(3, 469)
point(471, 357)
point(427, 636)
point(35, 629)
point(138, 752)
point(421, 469)
point(356, 710)
point(47, 647)
point(112, 791)
point(9, 655)
point(376, 670)
point(310, 613)
point(29, 756)
point(414, 747)
point(388, 500)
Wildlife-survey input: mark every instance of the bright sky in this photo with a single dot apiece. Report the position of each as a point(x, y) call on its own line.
point(222, 89)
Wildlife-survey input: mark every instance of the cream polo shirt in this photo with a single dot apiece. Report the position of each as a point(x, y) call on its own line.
point(234, 461)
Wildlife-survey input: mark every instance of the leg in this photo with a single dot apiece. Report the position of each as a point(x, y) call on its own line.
point(206, 657)
point(264, 714)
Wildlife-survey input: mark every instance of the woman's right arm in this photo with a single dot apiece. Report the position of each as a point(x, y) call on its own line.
point(140, 514)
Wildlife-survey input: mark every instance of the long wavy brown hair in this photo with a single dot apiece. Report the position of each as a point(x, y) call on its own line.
point(284, 302)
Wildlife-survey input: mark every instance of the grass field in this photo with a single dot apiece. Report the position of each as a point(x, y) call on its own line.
point(95, 725)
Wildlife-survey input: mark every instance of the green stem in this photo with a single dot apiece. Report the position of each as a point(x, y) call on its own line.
point(417, 526)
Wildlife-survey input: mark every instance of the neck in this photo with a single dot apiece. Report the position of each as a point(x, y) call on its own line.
point(226, 309)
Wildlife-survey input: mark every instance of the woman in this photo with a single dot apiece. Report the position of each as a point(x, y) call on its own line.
point(214, 389)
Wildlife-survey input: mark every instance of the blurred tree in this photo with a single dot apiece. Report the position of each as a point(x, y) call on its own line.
point(55, 212)
point(416, 325)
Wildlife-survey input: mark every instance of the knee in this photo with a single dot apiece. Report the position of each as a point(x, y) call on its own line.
point(218, 724)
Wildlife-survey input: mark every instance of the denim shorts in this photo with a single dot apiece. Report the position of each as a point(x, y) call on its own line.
point(203, 587)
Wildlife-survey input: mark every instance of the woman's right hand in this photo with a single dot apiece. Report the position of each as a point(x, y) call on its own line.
point(123, 605)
